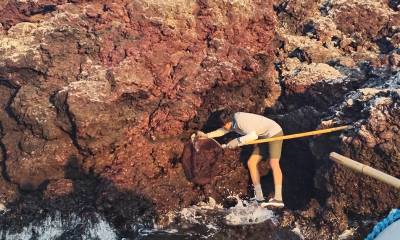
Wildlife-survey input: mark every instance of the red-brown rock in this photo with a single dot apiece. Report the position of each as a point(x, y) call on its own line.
point(103, 83)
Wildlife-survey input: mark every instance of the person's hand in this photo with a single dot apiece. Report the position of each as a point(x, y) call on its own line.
point(233, 144)
point(193, 137)
point(201, 134)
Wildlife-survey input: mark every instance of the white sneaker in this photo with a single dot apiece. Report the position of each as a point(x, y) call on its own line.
point(272, 203)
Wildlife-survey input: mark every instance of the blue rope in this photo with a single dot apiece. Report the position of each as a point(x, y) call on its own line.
point(393, 216)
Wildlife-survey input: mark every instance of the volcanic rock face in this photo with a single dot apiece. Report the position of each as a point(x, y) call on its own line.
point(374, 109)
point(99, 97)
point(337, 66)
point(112, 88)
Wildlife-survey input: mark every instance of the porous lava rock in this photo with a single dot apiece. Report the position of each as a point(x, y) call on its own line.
point(374, 111)
point(115, 88)
point(99, 97)
point(337, 65)
point(343, 31)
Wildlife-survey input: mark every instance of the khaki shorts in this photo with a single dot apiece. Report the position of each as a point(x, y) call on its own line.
point(275, 148)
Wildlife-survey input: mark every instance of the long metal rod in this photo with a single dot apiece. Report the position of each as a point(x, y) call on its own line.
point(366, 170)
point(299, 135)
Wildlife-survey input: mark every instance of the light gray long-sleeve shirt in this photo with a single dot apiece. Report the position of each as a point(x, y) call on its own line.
point(246, 123)
point(251, 126)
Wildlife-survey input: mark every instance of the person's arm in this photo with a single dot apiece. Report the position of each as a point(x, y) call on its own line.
point(217, 133)
point(248, 137)
point(242, 140)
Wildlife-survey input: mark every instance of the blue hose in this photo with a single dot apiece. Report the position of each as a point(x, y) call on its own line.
point(393, 216)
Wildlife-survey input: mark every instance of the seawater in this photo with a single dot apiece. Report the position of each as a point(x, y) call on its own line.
point(201, 221)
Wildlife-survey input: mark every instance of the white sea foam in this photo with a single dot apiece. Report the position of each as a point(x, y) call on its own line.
point(248, 212)
point(197, 215)
point(243, 213)
point(208, 218)
point(203, 220)
point(201, 214)
point(53, 228)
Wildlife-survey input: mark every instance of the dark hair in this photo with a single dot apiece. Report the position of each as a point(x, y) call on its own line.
point(226, 115)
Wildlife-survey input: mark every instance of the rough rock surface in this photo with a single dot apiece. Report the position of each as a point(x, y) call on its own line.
point(99, 97)
point(335, 58)
point(115, 88)
point(374, 110)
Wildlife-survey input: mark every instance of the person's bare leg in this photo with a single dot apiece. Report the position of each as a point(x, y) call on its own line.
point(277, 174)
point(275, 150)
point(252, 164)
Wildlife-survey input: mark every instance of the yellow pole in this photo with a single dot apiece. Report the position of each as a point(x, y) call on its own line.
point(298, 135)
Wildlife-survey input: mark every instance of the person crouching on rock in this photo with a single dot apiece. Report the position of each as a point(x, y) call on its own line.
point(251, 127)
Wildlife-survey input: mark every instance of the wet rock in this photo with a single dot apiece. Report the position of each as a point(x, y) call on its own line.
point(258, 231)
point(374, 112)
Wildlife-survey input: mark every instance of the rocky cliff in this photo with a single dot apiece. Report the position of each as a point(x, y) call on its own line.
point(115, 88)
point(99, 97)
point(339, 64)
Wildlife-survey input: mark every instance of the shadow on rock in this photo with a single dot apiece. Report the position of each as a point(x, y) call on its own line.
point(79, 206)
